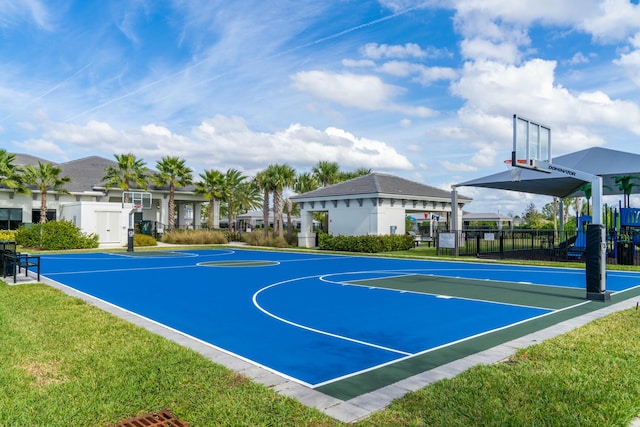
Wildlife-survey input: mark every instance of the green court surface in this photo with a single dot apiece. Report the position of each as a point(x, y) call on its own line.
point(517, 293)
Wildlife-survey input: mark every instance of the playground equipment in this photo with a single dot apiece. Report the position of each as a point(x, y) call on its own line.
point(626, 234)
point(580, 244)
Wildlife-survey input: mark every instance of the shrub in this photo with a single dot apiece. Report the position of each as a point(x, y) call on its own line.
point(55, 235)
point(365, 244)
point(143, 240)
point(7, 235)
point(257, 238)
point(194, 237)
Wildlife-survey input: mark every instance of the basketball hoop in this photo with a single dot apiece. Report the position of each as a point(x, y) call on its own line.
point(515, 171)
point(138, 208)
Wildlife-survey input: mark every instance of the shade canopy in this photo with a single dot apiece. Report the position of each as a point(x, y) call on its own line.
point(609, 164)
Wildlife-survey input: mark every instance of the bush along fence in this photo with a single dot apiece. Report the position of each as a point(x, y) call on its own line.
point(365, 244)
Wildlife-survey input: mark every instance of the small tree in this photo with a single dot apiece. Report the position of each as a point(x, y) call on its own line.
point(10, 174)
point(45, 177)
point(626, 186)
point(129, 173)
point(172, 171)
point(210, 186)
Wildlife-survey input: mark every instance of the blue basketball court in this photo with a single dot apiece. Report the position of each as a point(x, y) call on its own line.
point(329, 321)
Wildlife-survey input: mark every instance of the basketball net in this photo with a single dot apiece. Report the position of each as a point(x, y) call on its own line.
point(515, 172)
point(138, 208)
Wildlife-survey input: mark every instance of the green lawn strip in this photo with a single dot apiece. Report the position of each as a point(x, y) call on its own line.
point(587, 377)
point(372, 380)
point(553, 297)
point(64, 362)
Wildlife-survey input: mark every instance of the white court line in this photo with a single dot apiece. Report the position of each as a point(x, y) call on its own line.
point(414, 272)
point(122, 269)
point(308, 328)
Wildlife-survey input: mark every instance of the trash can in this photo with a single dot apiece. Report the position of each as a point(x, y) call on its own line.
point(145, 227)
point(625, 252)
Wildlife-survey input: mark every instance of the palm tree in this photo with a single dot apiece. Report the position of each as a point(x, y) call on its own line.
point(263, 182)
point(10, 174)
point(231, 187)
point(326, 172)
point(282, 176)
point(304, 183)
point(210, 187)
point(45, 177)
point(249, 197)
point(173, 171)
point(130, 173)
point(626, 186)
point(343, 176)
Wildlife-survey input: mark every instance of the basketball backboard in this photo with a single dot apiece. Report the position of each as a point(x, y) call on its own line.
point(136, 198)
point(531, 144)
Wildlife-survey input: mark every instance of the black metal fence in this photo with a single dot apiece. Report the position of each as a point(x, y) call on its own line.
point(541, 245)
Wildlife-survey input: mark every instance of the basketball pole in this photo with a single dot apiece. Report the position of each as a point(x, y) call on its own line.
point(596, 249)
point(130, 231)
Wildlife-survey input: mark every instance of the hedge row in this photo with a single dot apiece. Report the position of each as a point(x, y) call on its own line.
point(55, 235)
point(366, 244)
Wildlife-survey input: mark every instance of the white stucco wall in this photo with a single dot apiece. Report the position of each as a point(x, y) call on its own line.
point(368, 219)
point(108, 220)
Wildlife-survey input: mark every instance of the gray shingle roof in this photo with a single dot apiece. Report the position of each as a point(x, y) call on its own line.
point(28, 159)
point(86, 173)
point(379, 184)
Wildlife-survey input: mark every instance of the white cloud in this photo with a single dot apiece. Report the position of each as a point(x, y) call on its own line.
point(458, 167)
point(298, 145)
point(424, 75)
point(485, 157)
point(485, 49)
point(42, 147)
point(355, 63)
point(630, 61)
point(362, 91)
point(497, 90)
point(578, 58)
point(355, 90)
point(408, 50)
point(14, 12)
point(612, 20)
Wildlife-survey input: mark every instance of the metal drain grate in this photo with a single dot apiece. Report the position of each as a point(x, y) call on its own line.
point(163, 418)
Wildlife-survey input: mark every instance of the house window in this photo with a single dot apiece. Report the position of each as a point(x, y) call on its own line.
point(35, 215)
point(10, 218)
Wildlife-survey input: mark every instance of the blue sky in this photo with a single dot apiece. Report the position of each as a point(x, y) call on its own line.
point(422, 89)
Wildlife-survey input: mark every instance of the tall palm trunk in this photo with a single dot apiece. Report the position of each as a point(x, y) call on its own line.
point(277, 213)
point(172, 208)
point(43, 207)
point(231, 225)
point(265, 212)
point(289, 209)
point(212, 212)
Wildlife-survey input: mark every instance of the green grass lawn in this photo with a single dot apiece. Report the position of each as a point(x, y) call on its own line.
point(64, 362)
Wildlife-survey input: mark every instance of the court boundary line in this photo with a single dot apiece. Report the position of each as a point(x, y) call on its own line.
point(449, 344)
point(442, 295)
